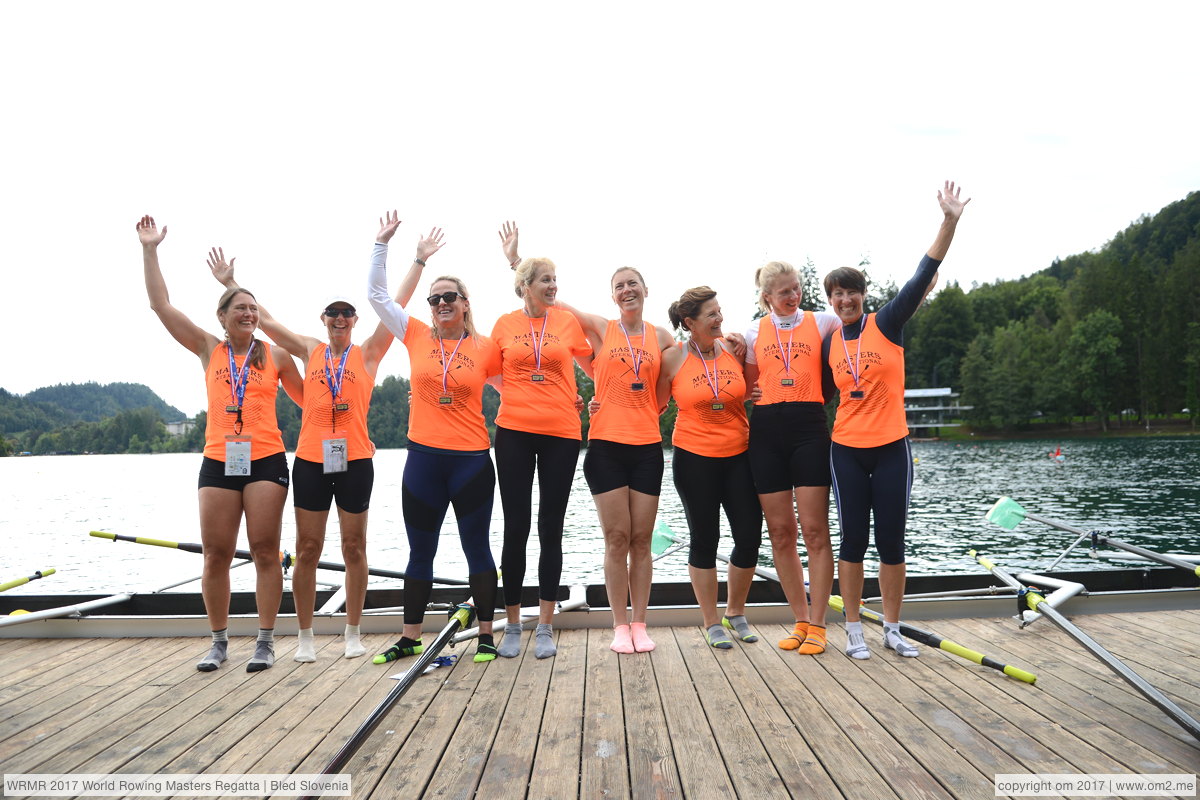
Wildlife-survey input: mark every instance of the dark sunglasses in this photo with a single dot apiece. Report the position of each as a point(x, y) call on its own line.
point(444, 297)
point(343, 312)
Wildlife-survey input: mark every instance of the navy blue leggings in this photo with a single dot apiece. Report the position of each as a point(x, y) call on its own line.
point(866, 480)
point(432, 482)
point(518, 453)
point(705, 485)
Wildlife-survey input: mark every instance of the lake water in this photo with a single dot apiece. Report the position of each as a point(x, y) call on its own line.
point(1141, 490)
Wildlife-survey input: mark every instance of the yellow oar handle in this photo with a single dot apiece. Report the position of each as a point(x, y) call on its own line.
point(4, 587)
point(137, 539)
point(1019, 674)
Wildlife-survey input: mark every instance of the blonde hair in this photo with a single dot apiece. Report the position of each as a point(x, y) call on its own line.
point(527, 270)
point(766, 275)
point(634, 270)
point(258, 358)
point(467, 322)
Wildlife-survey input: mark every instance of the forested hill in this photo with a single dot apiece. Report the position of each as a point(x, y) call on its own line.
point(92, 402)
point(1111, 334)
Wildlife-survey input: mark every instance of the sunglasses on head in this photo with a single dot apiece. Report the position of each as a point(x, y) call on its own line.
point(336, 312)
point(444, 297)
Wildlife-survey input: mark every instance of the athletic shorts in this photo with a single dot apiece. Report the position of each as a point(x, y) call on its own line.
point(272, 468)
point(315, 490)
point(612, 465)
point(789, 447)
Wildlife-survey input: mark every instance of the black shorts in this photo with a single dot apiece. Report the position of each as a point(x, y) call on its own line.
point(789, 446)
point(612, 465)
point(272, 468)
point(315, 489)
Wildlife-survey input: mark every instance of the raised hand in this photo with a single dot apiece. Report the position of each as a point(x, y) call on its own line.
point(221, 270)
point(148, 233)
point(430, 244)
point(387, 227)
point(508, 241)
point(948, 199)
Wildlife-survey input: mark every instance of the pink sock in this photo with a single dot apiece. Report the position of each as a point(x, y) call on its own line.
point(641, 640)
point(621, 642)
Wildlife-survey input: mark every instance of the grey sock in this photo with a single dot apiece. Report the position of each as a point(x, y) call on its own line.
point(739, 626)
point(544, 638)
point(218, 653)
point(716, 636)
point(264, 651)
point(510, 645)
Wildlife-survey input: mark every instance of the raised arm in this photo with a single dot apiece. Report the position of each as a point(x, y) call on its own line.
point(391, 314)
point(376, 346)
point(952, 207)
point(184, 331)
point(299, 346)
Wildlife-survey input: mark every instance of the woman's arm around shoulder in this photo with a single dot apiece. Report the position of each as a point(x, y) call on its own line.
point(289, 376)
point(299, 346)
point(672, 360)
point(183, 330)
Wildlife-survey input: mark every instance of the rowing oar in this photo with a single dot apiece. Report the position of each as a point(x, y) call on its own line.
point(41, 573)
point(933, 640)
point(462, 617)
point(1038, 603)
point(1008, 513)
point(191, 547)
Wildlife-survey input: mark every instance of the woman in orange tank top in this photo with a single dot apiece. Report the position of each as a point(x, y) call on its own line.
point(243, 375)
point(333, 461)
point(709, 461)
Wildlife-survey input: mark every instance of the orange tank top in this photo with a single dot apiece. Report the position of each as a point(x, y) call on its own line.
point(789, 362)
point(626, 372)
point(539, 373)
point(432, 421)
point(870, 414)
point(258, 405)
point(324, 414)
point(699, 427)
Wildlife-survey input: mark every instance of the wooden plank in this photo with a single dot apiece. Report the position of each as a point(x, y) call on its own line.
point(352, 680)
point(556, 765)
point(1157, 633)
point(799, 771)
point(605, 771)
point(1104, 723)
point(881, 686)
point(78, 733)
point(511, 756)
point(421, 754)
point(461, 767)
point(24, 658)
point(43, 679)
point(787, 674)
point(648, 744)
point(721, 699)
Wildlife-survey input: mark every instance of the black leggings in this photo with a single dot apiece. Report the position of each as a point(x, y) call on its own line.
point(866, 480)
point(705, 485)
point(517, 455)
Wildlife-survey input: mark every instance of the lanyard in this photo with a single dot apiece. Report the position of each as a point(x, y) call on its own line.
point(712, 378)
point(635, 357)
point(238, 378)
point(536, 342)
point(446, 362)
point(333, 379)
point(854, 366)
point(784, 356)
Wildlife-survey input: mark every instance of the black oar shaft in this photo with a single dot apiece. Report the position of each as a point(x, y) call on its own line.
point(192, 547)
point(461, 618)
point(1038, 603)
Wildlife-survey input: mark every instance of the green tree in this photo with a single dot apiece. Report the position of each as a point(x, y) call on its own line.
point(1092, 359)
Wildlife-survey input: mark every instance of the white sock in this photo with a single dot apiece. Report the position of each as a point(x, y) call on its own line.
point(354, 645)
point(306, 649)
point(856, 646)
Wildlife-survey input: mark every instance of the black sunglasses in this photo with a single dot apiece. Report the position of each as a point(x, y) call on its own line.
point(444, 297)
point(336, 312)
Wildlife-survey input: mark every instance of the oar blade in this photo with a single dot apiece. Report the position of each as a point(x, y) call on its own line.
point(662, 538)
point(1007, 513)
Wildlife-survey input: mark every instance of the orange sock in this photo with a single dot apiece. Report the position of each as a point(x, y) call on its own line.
point(814, 642)
point(794, 639)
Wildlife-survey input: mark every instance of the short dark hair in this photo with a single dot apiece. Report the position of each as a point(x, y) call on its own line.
point(847, 278)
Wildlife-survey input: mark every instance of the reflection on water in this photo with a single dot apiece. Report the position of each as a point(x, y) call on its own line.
point(1142, 490)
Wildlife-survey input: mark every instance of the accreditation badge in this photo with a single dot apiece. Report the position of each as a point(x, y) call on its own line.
point(237, 456)
point(334, 453)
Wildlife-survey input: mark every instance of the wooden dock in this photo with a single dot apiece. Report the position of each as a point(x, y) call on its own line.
point(686, 721)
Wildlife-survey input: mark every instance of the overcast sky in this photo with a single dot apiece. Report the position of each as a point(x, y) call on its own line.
point(693, 140)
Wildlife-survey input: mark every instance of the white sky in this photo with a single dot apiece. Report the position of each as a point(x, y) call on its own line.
point(692, 140)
